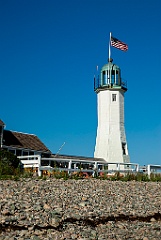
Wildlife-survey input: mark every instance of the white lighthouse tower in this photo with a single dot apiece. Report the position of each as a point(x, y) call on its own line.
point(111, 144)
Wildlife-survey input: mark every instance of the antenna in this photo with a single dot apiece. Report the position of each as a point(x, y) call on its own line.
point(59, 149)
point(57, 153)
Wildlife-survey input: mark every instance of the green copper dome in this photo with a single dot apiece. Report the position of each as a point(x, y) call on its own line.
point(110, 66)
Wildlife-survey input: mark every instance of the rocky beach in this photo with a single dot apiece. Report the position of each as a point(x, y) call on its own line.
point(79, 209)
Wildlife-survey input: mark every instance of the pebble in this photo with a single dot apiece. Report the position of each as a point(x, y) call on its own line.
point(79, 209)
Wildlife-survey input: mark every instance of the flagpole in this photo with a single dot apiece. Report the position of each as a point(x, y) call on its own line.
point(109, 56)
point(109, 49)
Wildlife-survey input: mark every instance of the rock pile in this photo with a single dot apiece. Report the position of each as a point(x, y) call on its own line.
point(79, 209)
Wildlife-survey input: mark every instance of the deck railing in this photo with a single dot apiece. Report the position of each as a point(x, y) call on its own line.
point(75, 165)
point(85, 166)
point(153, 169)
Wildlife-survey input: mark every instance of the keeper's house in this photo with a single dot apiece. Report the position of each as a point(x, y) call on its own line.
point(22, 144)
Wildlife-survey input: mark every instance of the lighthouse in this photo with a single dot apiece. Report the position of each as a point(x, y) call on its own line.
point(111, 144)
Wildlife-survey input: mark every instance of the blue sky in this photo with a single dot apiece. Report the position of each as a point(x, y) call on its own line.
point(48, 55)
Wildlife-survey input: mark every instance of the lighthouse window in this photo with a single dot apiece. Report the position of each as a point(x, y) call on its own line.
point(124, 148)
point(113, 97)
point(104, 77)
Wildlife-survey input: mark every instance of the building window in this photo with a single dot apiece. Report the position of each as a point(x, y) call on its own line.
point(31, 153)
point(25, 153)
point(113, 97)
point(18, 152)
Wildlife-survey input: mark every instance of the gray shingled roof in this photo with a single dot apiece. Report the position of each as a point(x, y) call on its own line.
point(23, 140)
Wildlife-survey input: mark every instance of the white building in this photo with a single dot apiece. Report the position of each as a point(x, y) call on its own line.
point(111, 144)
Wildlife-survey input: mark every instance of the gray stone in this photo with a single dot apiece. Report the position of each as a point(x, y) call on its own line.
point(69, 209)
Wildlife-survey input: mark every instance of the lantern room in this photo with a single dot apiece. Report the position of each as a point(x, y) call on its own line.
point(110, 77)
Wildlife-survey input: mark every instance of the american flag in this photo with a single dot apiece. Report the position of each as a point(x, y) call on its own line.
point(118, 44)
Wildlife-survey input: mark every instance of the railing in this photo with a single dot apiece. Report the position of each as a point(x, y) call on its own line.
point(99, 84)
point(31, 161)
point(75, 165)
point(155, 169)
point(85, 166)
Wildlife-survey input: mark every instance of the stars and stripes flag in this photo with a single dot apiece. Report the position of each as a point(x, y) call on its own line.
point(118, 44)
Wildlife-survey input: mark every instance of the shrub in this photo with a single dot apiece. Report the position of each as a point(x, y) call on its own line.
point(129, 177)
point(60, 174)
point(155, 177)
point(9, 163)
